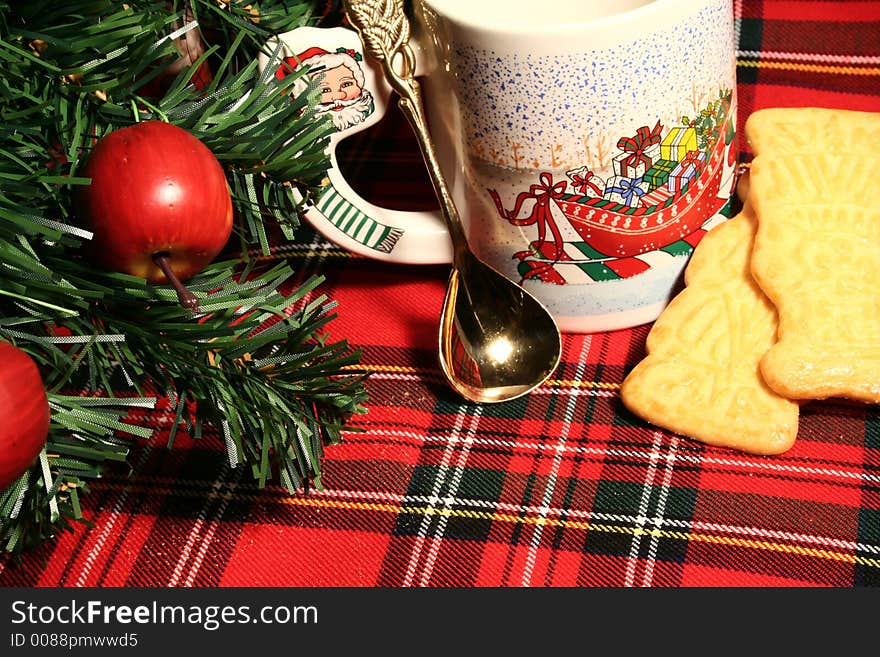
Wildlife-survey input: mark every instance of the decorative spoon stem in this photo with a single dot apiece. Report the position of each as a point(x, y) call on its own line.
point(496, 341)
point(384, 29)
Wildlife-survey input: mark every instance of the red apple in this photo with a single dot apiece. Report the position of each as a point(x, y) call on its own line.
point(25, 412)
point(158, 203)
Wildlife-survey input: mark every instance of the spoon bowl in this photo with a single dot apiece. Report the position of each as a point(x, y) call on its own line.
point(496, 341)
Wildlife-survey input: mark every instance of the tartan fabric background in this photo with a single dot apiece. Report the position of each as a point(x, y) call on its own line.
point(561, 488)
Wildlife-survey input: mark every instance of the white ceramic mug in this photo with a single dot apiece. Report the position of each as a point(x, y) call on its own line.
point(588, 145)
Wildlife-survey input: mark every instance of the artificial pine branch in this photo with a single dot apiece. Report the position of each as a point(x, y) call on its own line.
point(256, 363)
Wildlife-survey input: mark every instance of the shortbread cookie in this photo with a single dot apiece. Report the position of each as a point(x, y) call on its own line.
point(700, 377)
point(815, 189)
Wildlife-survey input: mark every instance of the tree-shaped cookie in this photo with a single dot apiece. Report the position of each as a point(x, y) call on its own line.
point(700, 377)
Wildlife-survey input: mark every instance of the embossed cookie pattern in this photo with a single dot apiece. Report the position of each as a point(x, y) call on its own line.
point(817, 248)
point(700, 376)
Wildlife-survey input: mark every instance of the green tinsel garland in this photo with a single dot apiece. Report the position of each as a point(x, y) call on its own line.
point(256, 364)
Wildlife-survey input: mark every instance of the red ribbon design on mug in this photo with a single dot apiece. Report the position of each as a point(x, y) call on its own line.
point(644, 138)
point(582, 184)
point(692, 160)
point(543, 194)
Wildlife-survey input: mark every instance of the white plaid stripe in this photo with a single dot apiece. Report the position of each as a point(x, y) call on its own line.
point(656, 519)
point(113, 515)
point(386, 499)
point(449, 474)
point(202, 532)
point(558, 452)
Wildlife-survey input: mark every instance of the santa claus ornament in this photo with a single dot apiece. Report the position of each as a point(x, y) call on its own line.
point(24, 408)
point(340, 82)
point(158, 204)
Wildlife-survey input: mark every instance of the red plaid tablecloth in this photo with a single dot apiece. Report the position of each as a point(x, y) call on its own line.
point(561, 488)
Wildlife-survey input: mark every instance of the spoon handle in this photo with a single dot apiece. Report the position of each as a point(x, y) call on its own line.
point(384, 30)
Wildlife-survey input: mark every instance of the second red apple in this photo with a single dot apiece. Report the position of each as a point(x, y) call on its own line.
point(157, 193)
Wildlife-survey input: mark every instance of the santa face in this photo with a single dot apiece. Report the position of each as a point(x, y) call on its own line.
point(346, 113)
point(343, 97)
point(338, 84)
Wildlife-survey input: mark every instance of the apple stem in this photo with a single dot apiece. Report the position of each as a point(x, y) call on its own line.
point(187, 299)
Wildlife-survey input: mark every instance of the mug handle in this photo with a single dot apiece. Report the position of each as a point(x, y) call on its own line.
point(338, 212)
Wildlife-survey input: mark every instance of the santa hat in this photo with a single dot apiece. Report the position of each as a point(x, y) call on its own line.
point(318, 57)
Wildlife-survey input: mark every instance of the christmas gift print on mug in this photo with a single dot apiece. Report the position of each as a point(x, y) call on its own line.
point(588, 145)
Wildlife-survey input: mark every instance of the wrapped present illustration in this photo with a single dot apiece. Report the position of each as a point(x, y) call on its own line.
point(626, 191)
point(697, 159)
point(578, 232)
point(690, 167)
point(658, 174)
point(639, 152)
point(585, 182)
point(677, 143)
point(632, 165)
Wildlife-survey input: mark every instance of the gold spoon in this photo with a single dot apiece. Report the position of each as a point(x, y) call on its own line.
point(497, 342)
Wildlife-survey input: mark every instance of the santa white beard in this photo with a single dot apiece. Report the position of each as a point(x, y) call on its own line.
point(352, 112)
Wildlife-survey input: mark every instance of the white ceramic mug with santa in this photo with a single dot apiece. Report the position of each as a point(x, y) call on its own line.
point(588, 145)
